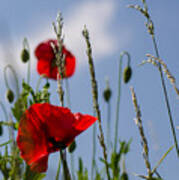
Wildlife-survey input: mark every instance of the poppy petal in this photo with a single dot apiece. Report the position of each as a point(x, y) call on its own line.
point(31, 136)
point(45, 67)
point(47, 62)
point(59, 121)
point(83, 122)
point(70, 63)
point(44, 50)
point(45, 128)
point(40, 165)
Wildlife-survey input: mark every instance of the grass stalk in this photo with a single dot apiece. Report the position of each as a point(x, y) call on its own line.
point(138, 121)
point(95, 99)
point(60, 59)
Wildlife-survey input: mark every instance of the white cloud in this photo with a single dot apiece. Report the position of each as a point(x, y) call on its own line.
point(97, 16)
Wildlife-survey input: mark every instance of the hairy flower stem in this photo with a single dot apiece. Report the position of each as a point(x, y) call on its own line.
point(60, 59)
point(4, 111)
point(28, 71)
point(138, 122)
point(108, 125)
point(58, 170)
point(117, 105)
point(166, 97)
point(39, 81)
point(67, 88)
point(65, 165)
point(26, 46)
point(15, 77)
point(93, 164)
point(119, 94)
point(95, 98)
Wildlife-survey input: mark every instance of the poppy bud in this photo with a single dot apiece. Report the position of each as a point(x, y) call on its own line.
point(25, 56)
point(1, 130)
point(10, 95)
point(127, 74)
point(72, 147)
point(107, 94)
point(124, 176)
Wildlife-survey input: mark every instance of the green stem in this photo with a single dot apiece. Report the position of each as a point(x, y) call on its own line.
point(6, 143)
point(26, 46)
point(4, 110)
point(38, 82)
point(65, 165)
point(15, 77)
point(67, 87)
point(108, 124)
point(72, 166)
point(58, 170)
point(118, 103)
point(28, 71)
point(119, 94)
point(69, 106)
point(166, 97)
point(94, 152)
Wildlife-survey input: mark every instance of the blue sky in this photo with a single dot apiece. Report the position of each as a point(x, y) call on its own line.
point(113, 28)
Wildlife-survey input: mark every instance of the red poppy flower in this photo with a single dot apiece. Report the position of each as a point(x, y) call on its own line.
point(47, 62)
point(45, 128)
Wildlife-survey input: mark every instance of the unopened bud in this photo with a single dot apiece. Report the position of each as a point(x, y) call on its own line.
point(127, 74)
point(10, 95)
point(124, 176)
point(72, 147)
point(1, 130)
point(25, 56)
point(107, 94)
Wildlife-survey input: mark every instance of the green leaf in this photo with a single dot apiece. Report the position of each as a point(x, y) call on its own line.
point(82, 175)
point(30, 175)
point(20, 105)
point(80, 165)
point(125, 147)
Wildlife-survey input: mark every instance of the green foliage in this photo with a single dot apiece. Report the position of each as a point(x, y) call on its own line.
point(116, 158)
point(125, 147)
point(20, 105)
point(98, 176)
point(4, 162)
point(24, 101)
point(30, 175)
point(81, 173)
point(10, 165)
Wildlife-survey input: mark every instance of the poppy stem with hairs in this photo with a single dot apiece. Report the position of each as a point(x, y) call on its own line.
point(67, 88)
point(65, 165)
point(119, 94)
point(15, 77)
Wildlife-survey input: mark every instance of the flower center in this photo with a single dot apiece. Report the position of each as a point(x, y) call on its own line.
point(57, 144)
